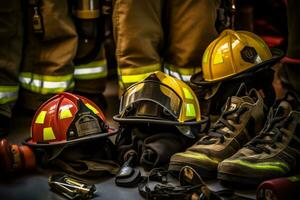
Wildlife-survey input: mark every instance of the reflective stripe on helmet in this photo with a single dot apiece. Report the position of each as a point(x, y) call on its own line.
point(187, 93)
point(41, 117)
point(133, 75)
point(48, 134)
point(92, 70)
point(8, 93)
point(92, 108)
point(65, 113)
point(45, 84)
point(190, 110)
point(183, 74)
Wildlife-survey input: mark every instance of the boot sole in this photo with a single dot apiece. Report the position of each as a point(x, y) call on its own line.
point(239, 179)
point(204, 173)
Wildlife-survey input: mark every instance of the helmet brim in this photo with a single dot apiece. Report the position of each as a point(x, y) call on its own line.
point(202, 124)
point(277, 55)
point(31, 143)
point(135, 120)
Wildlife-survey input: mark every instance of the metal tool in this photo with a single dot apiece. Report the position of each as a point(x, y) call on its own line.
point(71, 187)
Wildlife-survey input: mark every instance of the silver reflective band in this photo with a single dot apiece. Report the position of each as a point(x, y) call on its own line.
point(91, 70)
point(6, 97)
point(185, 78)
point(45, 84)
point(8, 94)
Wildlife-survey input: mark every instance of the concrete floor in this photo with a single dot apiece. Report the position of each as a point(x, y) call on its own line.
point(34, 185)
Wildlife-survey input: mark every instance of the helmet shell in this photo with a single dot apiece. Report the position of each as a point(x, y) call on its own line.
point(66, 119)
point(233, 52)
point(187, 109)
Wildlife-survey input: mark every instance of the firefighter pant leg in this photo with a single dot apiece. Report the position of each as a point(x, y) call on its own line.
point(10, 53)
point(47, 67)
point(290, 72)
point(91, 77)
point(138, 34)
point(190, 29)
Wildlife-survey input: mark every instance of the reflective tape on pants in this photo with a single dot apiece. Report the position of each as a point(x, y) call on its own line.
point(8, 94)
point(92, 70)
point(183, 74)
point(185, 78)
point(45, 84)
point(133, 75)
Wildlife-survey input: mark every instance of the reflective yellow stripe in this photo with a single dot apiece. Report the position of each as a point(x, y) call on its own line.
point(190, 110)
point(92, 108)
point(65, 113)
point(9, 88)
point(92, 64)
point(278, 166)
point(133, 75)
point(46, 77)
point(294, 178)
point(205, 57)
point(183, 71)
point(218, 59)
point(139, 70)
point(197, 156)
point(187, 93)
point(183, 74)
point(92, 70)
point(41, 117)
point(8, 94)
point(133, 78)
point(48, 134)
point(45, 84)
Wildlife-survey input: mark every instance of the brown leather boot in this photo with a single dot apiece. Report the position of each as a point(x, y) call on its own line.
point(16, 157)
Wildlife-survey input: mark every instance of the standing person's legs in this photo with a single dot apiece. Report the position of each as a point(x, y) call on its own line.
point(138, 35)
point(11, 40)
point(47, 66)
point(290, 71)
point(189, 30)
point(90, 79)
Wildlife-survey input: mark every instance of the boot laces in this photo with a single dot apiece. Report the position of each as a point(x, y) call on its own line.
point(217, 130)
point(271, 133)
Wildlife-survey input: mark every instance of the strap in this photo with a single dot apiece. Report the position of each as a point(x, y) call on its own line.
point(86, 167)
point(165, 190)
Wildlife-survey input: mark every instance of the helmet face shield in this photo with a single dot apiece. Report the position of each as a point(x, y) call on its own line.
point(149, 94)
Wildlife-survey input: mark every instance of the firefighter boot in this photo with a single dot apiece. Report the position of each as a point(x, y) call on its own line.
point(15, 158)
point(274, 152)
point(243, 114)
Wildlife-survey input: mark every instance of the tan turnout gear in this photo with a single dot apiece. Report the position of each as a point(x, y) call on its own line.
point(40, 44)
point(47, 66)
point(168, 35)
point(90, 77)
point(90, 64)
point(11, 39)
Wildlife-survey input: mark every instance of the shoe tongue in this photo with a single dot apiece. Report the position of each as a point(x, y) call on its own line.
point(283, 109)
point(235, 102)
point(289, 103)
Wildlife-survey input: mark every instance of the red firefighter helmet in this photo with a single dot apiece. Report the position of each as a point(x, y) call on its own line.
point(67, 119)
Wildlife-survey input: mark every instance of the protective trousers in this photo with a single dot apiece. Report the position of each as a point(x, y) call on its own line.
point(41, 63)
point(90, 63)
point(11, 39)
point(168, 35)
